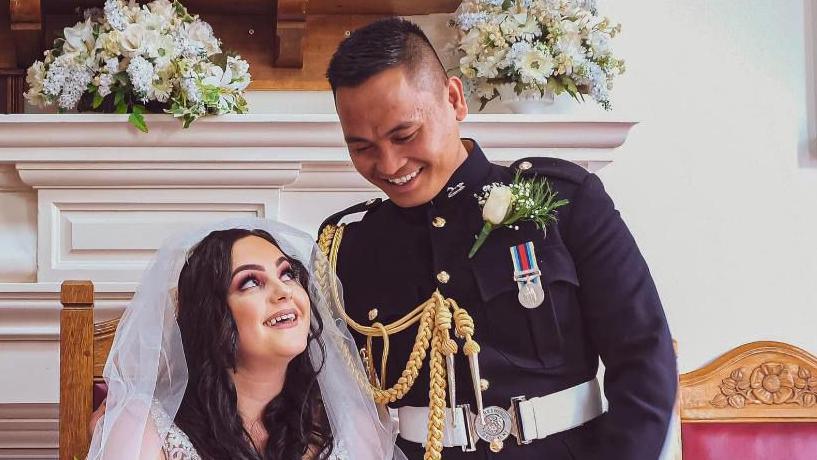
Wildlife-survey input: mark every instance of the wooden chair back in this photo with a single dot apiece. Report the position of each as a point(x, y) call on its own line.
point(84, 348)
point(757, 401)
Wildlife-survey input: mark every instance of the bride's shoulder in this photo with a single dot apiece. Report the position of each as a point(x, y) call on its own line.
point(176, 444)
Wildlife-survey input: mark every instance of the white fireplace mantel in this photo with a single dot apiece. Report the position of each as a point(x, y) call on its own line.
point(94, 133)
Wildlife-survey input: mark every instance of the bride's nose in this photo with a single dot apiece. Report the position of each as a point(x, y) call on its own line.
point(279, 291)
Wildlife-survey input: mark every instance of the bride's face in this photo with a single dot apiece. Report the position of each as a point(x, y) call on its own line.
point(269, 306)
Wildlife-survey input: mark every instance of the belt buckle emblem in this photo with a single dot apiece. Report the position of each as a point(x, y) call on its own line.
point(493, 426)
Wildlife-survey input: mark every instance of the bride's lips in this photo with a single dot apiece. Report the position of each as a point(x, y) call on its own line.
point(282, 319)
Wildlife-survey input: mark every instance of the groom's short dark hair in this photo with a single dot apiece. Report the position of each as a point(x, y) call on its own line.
point(381, 45)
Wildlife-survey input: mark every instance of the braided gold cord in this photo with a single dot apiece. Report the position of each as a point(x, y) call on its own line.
point(435, 317)
point(436, 400)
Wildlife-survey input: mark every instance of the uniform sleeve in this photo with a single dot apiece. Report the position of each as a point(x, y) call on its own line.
point(626, 325)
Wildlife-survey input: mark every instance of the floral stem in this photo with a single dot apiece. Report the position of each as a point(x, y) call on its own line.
point(483, 234)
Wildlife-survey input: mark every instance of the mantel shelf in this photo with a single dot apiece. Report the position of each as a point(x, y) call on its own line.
point(282, 137)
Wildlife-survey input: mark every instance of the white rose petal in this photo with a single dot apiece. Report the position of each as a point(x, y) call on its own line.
point(79, 39)
point(132, 39)
point(497, 205)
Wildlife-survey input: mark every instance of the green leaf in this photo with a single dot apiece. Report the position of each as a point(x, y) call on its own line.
point(97, 100)
point(137, 120)
point(121, 107)
point(555, 86)
point(118, 98)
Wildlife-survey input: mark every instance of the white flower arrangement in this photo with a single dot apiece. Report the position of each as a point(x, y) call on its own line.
point(537, 46)
point(131, 58)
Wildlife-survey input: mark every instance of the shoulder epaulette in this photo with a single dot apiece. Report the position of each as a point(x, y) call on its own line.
point(330, 234)
point(551, 167)
point(360, 207)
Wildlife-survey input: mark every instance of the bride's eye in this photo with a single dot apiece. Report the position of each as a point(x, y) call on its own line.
point(249, 282)
point(288, 274)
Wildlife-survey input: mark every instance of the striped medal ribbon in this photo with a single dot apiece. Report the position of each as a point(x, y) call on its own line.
point(527, 275)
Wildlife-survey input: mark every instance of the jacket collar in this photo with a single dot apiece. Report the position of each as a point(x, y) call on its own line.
point(467, 179)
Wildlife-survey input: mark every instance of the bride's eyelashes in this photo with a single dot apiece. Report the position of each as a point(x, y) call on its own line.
point(252, 280)
point(287, 273)
point(248, 282)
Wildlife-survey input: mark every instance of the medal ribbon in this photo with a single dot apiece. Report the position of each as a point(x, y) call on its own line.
point(524, 263)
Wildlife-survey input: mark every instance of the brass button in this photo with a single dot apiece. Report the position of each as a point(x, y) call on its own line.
point(438, 222)
point(443, 277)
point(525, 165)
point(484, 384)
point(496, 445)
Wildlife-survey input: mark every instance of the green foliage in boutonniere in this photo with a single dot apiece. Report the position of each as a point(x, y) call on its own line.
point(525, 199)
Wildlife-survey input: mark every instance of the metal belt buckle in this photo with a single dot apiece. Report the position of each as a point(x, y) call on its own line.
point(471, 443)
point(495, 427)
point(520, 431)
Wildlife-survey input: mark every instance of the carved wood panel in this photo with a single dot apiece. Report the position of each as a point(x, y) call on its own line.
point(757, 381)
point(12, 87)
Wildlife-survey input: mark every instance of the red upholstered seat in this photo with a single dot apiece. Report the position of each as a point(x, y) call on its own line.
point(100, 391)
point(749, 441)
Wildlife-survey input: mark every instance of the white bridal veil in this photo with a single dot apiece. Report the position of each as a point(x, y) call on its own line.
point(146, 365)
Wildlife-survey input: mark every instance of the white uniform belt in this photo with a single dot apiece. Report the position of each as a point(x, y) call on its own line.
point(531, 419)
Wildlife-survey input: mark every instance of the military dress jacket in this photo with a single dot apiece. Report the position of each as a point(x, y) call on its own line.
point(600, 302)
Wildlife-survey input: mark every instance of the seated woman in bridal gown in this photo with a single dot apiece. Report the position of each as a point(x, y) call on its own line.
point(233, 348)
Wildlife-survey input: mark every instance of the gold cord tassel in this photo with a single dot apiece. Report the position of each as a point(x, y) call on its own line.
point(435, 317)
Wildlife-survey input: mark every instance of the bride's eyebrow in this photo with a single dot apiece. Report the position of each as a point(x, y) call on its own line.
point(257, 267)
point(242, 268)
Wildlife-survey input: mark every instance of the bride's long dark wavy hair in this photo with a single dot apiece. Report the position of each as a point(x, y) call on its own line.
point(294, 420)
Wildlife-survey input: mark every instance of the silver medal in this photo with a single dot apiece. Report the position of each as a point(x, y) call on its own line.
point(531, 294)
point(526, 274)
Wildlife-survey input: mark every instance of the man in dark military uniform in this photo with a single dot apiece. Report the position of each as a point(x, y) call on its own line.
point(400, 115)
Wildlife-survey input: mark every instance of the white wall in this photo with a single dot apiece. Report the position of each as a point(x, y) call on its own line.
point(715, 182)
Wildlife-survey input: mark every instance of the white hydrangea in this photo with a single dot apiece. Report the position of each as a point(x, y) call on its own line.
point(190, 89)
point(103, 83)
point(468, 21)
point(141, 74)
point(115, 15)
point(112, 65)
point(55, 78)
point(599, 43)
point(76, 81)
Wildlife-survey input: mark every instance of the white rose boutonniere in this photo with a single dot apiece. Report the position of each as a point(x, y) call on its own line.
point(525, 199)
point(497, 205)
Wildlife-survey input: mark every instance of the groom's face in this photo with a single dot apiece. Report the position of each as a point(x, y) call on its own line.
point(402, 131)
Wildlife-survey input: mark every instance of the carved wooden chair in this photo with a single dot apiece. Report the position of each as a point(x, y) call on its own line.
point(84, 348)
point(755, 402)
